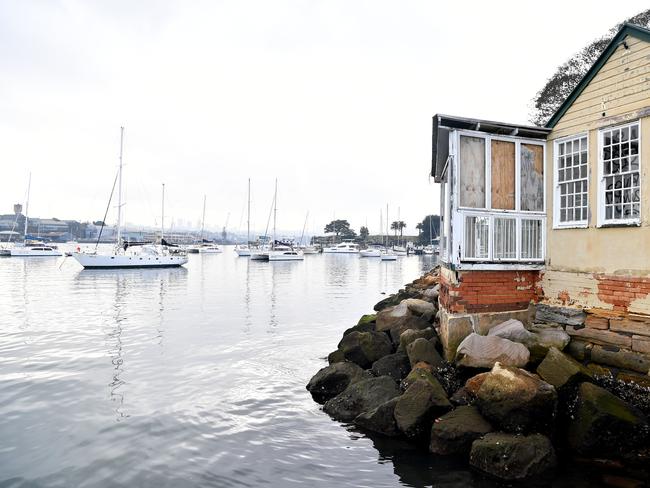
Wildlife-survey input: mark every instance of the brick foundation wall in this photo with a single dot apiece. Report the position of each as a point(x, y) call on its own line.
point(488, 291)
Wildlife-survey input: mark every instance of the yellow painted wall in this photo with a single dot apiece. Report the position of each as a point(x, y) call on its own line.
point(620, 90)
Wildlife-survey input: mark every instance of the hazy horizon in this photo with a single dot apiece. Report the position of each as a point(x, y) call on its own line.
point(332, 98)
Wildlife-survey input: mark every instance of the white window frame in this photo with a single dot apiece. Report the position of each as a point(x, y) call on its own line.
point(518, 141)
point(602, 222)
point(575, 224)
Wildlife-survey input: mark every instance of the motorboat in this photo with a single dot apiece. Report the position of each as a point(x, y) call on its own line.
point(210, 249)
point(35, 249)
point(285, 253)
point(128, 255)
point(371, 252)
point(400, 251)
point(343, 248)
point(31, 247)
point(309, 249)
point(243, 250)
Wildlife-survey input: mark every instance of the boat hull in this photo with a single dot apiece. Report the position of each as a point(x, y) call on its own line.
point(98, 261)
point(286, 257)
point(370, 253)
point(389, 257)
point(27, 252)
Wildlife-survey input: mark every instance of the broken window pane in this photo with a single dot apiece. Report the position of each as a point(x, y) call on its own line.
point(532, 177)
point(472, 172)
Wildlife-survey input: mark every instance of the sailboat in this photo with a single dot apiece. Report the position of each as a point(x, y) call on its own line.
point(388, 254)
point(126, 255)
point(245, 249)
point(31, 247)
point(281, 251)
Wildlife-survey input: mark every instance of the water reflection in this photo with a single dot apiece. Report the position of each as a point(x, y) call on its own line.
point(204, 369)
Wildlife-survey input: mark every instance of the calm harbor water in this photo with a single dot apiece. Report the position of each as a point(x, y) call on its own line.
point(190, 377)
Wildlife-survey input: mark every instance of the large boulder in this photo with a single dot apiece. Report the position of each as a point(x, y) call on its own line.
point(335, 357)
point(364, 348)
point(421, 308)
point(396, 298)
point(562, 371)
point(396, 366)
point(477, 351)
point(415, 410)
point(408, 323)
point(421, 371)
point(513, 457)
point(454, 432)
point(515, 400)
point(538, 340)
point(544, 337)
point(380, 419)
point(360, 397)
point(369, 318)
point(363, 327)
point(410, 335)
point(466, 395)
point(400, 315)
point(333, 379)
point(423, 350)
point(604, 424)
point(513, 330)
point(432, 293)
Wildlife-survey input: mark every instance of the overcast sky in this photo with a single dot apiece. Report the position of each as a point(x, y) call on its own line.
point(333, 98)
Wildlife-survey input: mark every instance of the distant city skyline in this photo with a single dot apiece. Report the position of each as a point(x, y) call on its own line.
point(332, 98)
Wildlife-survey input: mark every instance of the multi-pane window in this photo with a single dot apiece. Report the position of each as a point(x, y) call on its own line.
point(571, 176)
point(620, 190)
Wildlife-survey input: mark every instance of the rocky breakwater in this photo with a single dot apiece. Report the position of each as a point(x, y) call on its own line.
point(512, 404)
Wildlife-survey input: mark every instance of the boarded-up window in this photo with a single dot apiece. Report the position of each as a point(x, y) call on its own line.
point(472, 172)
point(503, 175)
point(532, 177)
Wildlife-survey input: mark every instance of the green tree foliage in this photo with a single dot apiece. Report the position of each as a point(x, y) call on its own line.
point(419, 227)
point(341, 228)
point(364, 232)
point(430, 227)
point(398, 226)
point(568, 75)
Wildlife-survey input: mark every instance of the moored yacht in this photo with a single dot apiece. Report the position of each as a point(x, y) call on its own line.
point(31, 247)
point(343, 248)
point(209, 249)
point(285, 253)
point(36, 249)
point(125, 255)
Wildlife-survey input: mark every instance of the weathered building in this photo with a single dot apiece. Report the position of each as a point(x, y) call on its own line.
point(557, 215)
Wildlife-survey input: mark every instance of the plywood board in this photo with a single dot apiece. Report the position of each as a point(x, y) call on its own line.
point(503, 175)
point(532, 177)
point(472, 172)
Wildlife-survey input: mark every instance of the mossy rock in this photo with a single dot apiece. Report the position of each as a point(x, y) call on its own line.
point(369, 318)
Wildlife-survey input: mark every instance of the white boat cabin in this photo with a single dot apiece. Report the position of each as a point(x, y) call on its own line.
point(492, 193)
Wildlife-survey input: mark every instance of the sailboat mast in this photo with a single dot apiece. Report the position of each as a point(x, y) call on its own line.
point(119, 191)
point(203, 219)
point(248, 221)
point(162, 220)
point(275, 209)
point(29, 185)
point(381, 225)
point(387, 240)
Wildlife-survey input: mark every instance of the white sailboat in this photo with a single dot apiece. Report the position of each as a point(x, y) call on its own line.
point(244, 250)
point(388, 254)
point(32, 248)
point(125, 255)
point(282, 252)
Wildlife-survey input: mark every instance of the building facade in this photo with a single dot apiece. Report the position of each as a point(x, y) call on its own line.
point(558, 215)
